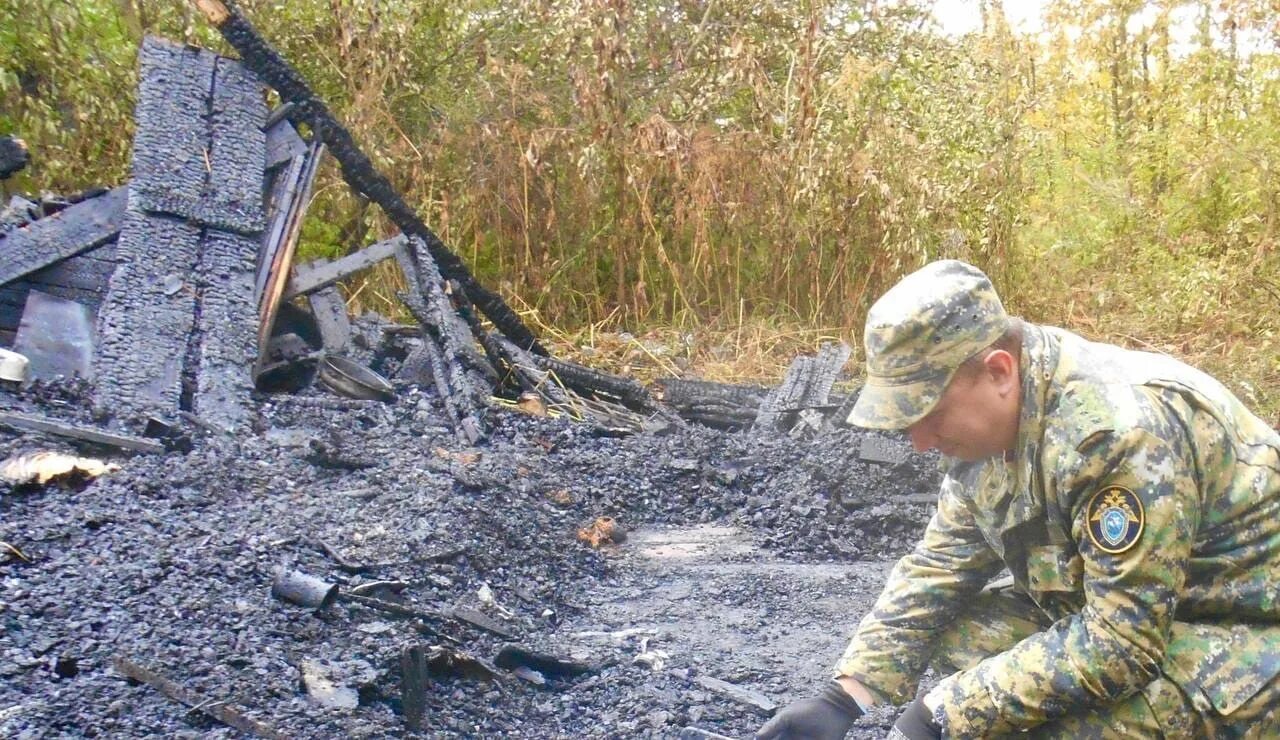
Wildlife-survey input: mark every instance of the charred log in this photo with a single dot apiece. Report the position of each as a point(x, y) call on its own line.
point(803, 394)
point(13, 156)
point(79, 228)
point(717, 405)
point(588, 382)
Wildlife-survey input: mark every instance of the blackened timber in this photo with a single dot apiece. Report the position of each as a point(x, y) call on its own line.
point(201, 179)
point(456, 392)
point(225, 324)
point(330, 311)
point(143, 325)
point(357, 169)
point(415, 686)
point(589, 382)
point(525, 371)
point(225, 330)
point(475, 376)
point(719, 405)
point(45, 425)
point(237, 149)
point(179, 307)
point(807, 385)
point(317, 275)
point(216, 709)
point(143, 330)
point(283, 240)
point(283, 142)
point(82, 279)
point(13, 155)
point(78, 228)
point(281, 196)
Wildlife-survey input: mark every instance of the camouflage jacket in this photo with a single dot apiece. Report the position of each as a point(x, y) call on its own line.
point(1140, 511)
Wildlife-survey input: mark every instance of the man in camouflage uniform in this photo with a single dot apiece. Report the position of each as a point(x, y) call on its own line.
point(1133, 499)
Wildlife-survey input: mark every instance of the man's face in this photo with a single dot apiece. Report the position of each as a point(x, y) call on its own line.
point(977, 416)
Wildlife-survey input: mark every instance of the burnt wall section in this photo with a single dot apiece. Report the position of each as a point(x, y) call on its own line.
point(226, 330)
point(146, 320)
point(82, 278)
point(226, 325)
point(177, 327)
point(78, 228)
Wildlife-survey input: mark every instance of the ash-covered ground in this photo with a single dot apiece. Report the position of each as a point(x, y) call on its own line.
point(749, 560)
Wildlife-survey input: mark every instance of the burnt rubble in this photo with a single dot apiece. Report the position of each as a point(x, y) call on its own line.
point(323, 526)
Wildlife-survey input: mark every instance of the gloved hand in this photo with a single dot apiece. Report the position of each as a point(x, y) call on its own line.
point(827, 716)
point(916, 723)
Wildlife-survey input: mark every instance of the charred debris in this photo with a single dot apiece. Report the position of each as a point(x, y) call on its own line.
point(166, 320)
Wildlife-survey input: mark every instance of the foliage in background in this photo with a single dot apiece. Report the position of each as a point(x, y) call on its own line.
point(620, 163)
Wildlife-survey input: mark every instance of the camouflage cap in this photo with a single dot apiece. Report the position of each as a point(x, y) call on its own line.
point(918, 334)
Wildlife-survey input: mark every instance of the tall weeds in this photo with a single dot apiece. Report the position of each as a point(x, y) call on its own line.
point(638, 163)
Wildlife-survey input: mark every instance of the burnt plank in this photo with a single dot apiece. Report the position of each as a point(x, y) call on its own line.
point(282, 239)
point(226, 330)
point(590, 382)
point(237, 148)
point(143, 326)
point(81, 272)
point(226, 322)
point(205, 179)
point(45, 425)
point(170, 160)
point(281, 196)
point(16, 294)
point(283, 143)
point(807, 385)
point(76, 229)
point(321, 274)
point(13, 155)
point(330, 311)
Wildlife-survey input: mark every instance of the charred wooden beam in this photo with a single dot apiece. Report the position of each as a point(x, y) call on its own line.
point(589, 382)
point(523, 368)
point(13, 156)
point(283, 142)
point(280, 240)
point(452, 385)
point(806, 386)
point(357, 169)
point(82, 279)
point(28, 423)
point(321, 274)
point(462, 375)
point(718, 405)
point(79, 228)
point(330, 311)
point(216, 709)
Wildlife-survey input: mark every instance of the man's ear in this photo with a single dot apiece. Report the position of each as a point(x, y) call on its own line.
point(1003, 369)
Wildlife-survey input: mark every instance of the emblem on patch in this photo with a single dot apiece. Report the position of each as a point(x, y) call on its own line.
point(1115, 519)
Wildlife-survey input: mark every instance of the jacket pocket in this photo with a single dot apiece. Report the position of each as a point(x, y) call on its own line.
point(1054, 569)
point(1221, 665)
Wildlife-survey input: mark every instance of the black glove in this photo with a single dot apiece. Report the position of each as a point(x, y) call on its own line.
point(827, 716)
point(916, 723)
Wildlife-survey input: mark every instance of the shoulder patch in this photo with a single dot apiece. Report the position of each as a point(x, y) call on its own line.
point(1115, 519)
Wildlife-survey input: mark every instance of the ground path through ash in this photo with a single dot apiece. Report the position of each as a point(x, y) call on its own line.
point(749, 560)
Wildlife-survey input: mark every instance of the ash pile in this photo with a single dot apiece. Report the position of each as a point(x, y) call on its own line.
point(230, 508)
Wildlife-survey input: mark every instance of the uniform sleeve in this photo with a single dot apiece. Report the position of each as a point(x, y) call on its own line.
point(925, 592)
point(1115, 645)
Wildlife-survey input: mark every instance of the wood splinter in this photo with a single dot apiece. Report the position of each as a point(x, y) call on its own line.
point(215, 709)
